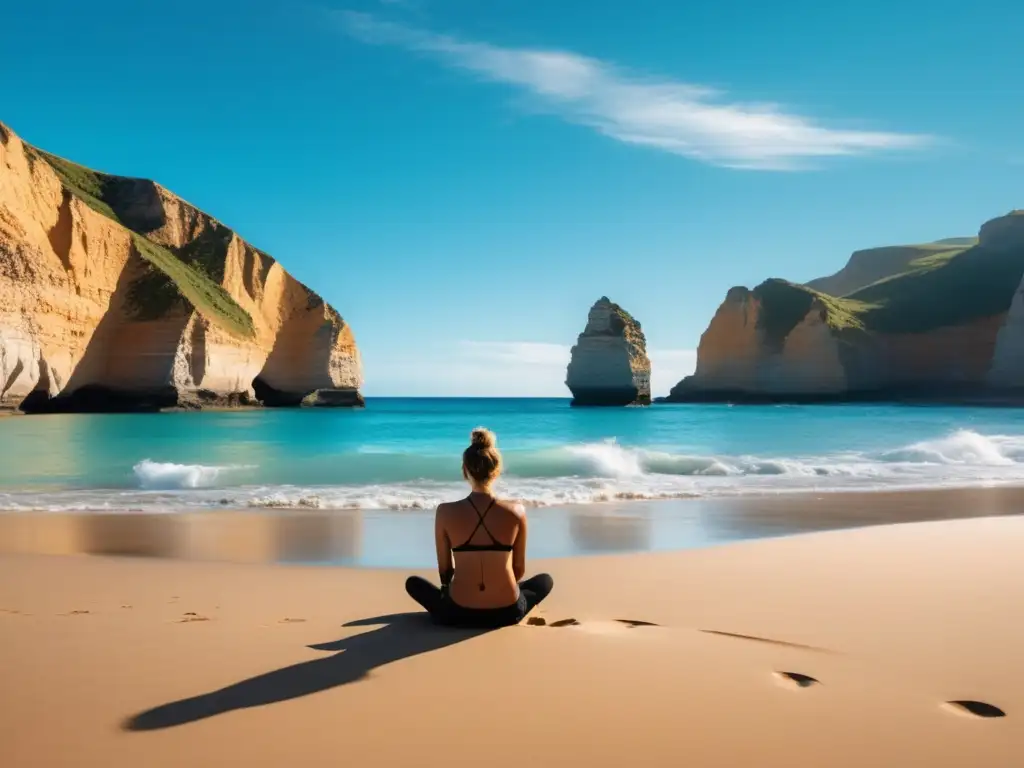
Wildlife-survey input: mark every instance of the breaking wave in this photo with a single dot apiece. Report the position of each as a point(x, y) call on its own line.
point(156, 475)
point(585, 473)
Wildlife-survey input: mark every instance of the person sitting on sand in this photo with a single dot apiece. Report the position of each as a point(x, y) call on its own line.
point(482, 587)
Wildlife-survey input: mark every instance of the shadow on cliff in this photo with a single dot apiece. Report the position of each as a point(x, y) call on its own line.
point(402, 636)
point(83, 391)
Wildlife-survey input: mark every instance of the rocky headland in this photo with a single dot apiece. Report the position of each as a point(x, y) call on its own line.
point(942, 321)
point(115, 294)
point(609, 364)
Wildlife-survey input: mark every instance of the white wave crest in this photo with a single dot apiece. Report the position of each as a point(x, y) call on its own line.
point(157, 475)
point(587, 473)
point(962, 447)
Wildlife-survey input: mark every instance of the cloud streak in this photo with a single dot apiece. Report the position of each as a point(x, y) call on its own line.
point(666, 115)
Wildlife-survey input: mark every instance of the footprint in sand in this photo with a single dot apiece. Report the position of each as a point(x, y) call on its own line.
point(191, 616)
point(974, 708)
point(291, 621)
point(596, 626)
point(796, 679)
point(75, 613)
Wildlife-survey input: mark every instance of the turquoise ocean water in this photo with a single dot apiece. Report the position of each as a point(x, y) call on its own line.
point(403, 454)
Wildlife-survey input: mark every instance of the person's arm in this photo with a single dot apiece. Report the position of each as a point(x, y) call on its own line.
point(445, 564)
point(519, 548)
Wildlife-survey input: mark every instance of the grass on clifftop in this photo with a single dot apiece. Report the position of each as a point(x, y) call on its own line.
point(91, 187)
point(191, 274)
point(785, 304)
point(208, 251)
point(170, 280)
point(946, 288)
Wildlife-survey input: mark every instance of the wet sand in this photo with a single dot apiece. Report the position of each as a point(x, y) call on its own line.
point(405, 539)
point(895, 645)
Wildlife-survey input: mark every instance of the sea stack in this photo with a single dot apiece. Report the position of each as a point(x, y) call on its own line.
point(118, 295)
point(609, 364)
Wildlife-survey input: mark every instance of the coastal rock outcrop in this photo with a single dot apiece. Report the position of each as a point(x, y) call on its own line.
point(115, 294)
point(609, 364)
point(946, 325)
point(1007, 369)
point(756, 344)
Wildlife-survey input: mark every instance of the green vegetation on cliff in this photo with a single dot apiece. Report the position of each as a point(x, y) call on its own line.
point(169, 281)
point(186, 276)
point(873, 264)
point(944, 287)
point(785, 304)
point(92, 188)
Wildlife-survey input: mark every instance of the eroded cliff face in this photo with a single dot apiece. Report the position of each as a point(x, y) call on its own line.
point(1007, 369)
point(115, 293)
point(737, 353)
point(950, 326)
point(609, 363)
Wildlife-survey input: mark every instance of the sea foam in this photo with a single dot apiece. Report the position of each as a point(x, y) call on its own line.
point(156, 475)
point(582, 473)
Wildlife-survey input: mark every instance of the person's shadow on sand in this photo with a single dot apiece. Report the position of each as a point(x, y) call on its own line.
point(403, 635)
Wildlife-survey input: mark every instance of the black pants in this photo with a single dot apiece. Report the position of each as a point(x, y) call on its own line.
point(445, 611)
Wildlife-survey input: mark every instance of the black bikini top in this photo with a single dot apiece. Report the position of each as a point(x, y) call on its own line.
point(494, 546)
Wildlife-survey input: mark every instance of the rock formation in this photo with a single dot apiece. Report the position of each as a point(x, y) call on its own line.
point(609, 364)
point(946, 325)
point(115, 294)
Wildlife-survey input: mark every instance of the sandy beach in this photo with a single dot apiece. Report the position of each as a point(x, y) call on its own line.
point(827, 649)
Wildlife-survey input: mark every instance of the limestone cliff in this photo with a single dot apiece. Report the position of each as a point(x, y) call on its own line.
point(949, 324)
point(1007, 370)
point(117, 294)
point(608, 364)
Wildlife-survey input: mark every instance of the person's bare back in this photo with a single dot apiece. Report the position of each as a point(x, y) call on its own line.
point(487, 538)
point(481, 551)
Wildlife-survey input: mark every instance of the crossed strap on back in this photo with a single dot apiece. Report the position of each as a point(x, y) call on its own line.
point(494, 546)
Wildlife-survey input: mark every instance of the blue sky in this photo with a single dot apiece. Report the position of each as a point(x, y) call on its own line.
point(462, 179)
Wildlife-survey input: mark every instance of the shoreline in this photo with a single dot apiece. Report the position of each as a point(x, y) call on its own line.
point(146, 401)
point(921, 395)
point(812, 647)
point(403, 539)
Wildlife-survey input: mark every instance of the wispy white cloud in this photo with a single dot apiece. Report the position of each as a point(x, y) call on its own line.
point(667, 115)
point(503, 369)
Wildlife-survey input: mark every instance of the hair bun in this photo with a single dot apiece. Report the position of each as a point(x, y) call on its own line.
point(482, 437)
